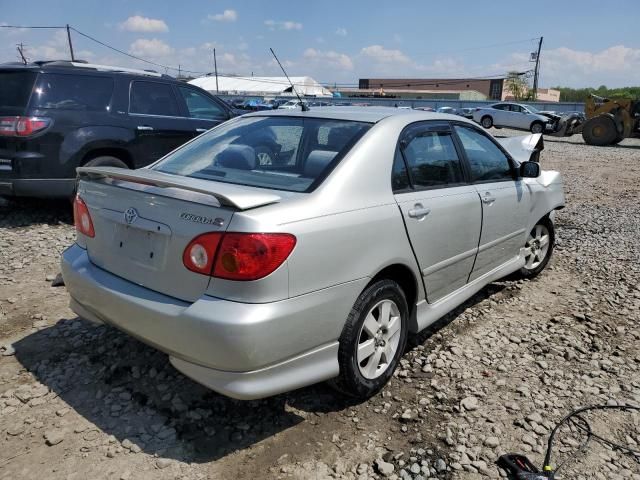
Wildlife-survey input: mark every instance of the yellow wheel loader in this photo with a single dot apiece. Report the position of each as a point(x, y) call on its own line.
point(609, 121)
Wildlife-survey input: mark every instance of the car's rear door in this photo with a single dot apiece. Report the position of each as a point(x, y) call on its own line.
point(441, 211)
point(204, 111)
point(505, 199)
point(159, 124)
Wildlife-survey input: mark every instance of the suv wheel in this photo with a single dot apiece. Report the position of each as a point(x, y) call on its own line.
point(106, 161)
point(538, 248)
point(373, 340)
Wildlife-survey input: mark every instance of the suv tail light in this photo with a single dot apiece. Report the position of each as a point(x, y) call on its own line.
point(82, 218)
point(22, 126)
point(238, 256)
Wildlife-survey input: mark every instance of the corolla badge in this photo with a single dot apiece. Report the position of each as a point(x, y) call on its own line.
point(130, 215)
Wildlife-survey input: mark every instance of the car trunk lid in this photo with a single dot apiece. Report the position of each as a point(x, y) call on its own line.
point(144, 220)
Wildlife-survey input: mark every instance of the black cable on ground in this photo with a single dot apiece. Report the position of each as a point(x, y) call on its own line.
point(586, 427)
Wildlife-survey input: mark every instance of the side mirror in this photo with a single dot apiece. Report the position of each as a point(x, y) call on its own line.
point(529, 170)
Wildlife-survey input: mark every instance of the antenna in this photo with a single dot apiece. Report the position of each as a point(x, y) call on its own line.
point(303, 105)
point(20, 48)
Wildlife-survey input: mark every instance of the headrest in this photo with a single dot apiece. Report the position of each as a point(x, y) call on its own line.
point(240, 157)
point(317, 161)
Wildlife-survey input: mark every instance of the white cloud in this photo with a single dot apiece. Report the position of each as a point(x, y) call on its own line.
point(144, 24)
point(341, 32)
point(155, 48)
point(379, 54)
point(226, 16)
point(328, 59)
point(283, 25)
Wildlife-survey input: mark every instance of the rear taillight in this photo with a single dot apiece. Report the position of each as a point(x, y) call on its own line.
point(82, 218)
point(200, 253)
point(238, 256)
point(22, 126)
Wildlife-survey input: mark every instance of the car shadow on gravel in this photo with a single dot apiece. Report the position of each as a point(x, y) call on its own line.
point(129, 390)
point(30, 211)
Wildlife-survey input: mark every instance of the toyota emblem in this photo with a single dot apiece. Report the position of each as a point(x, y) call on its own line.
point(130, 215)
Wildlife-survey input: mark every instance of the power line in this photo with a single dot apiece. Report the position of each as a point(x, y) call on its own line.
point(25, 27)
point(396, 84)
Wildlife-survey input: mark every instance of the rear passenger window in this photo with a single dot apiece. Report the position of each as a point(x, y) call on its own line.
point(201, 106)
point(486, 160)
point(153, 98)
point(72, 92)
point(432, 160)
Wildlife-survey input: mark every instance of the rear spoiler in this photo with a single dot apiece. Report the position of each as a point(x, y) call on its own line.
point(235, 196)
point(525, 148)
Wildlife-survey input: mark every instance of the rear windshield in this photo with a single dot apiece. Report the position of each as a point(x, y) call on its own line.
point(72, 92)
point(15, 88)
point(283, 153)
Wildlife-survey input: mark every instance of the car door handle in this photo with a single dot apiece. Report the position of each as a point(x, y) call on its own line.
point(144, 127)
point(488, 198)
point(201, 130)
point(419, 211)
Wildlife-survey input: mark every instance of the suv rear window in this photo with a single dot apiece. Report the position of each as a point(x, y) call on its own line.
point(15, 88)
point(283, 153)
point(72, 92)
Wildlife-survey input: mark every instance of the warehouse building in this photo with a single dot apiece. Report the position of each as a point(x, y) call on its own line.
point(260, 86)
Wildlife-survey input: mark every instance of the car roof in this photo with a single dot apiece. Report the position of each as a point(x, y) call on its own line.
point(358, 114)
point(67, 67)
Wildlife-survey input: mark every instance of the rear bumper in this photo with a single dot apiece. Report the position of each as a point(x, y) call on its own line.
point(240, 350)
point(37, 187)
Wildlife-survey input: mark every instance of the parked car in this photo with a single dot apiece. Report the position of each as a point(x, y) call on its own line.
point(57, 116)
point(424, 109)
point(511, 115)
point(466, 112)
point(291, 105)
point(449, 110)
point(258, 279)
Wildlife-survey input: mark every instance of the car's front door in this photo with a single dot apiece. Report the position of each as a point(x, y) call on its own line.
point(203, 111)
point(159, 124)
point(519, 117)
point(441, 211)
point(501, 115)
point(505, 199)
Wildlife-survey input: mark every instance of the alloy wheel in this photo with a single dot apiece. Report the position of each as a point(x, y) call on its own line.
point(379, 339)
point(537, 247)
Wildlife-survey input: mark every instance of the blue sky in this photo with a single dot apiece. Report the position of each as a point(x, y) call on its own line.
point(585, 43)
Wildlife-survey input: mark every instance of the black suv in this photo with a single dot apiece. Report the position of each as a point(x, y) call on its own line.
point(56, 116)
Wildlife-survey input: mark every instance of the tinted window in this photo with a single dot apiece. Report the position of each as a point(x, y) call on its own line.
point(201, 106)
point(486, 160)
point(399, 175)
point(501, 107)
point(15, 88)
point(432, 159)
point(153, 98)
point(72, 92)
point(285, 153)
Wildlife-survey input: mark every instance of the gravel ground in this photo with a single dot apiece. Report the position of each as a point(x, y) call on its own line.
point(82, 401)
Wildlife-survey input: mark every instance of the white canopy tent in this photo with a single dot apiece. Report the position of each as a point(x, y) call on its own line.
point(277, 86)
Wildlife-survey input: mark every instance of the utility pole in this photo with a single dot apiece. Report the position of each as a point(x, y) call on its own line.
point(537, 70)
point(215, 67)
point(179, 72)
point(20, 48)
point(73, 58)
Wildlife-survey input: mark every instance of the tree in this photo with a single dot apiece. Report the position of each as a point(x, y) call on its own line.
point(517, 86)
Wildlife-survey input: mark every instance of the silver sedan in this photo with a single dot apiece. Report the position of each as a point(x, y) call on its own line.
point(286, 248)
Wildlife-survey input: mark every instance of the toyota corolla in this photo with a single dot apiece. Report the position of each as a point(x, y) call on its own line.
point(261, 268)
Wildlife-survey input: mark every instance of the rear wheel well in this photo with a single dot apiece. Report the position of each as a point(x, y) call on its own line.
point(108, 152)
point(403, 276)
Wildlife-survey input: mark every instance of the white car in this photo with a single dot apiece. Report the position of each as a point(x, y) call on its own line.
point(511, 115)
point(291, 105)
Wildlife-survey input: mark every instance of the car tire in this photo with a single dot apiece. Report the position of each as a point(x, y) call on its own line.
point(377, 326)
point(539, 247)
point(486, 121)
point(106, 161)
point(537, 127)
